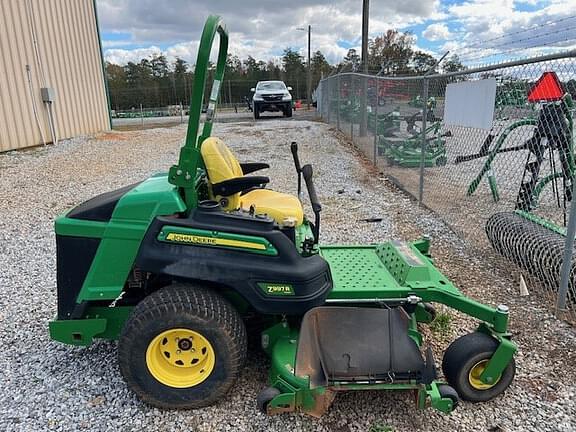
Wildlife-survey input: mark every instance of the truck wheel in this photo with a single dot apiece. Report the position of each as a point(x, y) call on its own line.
point(465, 360)
point(256, 112)
point(182, 347)
point(288, 112)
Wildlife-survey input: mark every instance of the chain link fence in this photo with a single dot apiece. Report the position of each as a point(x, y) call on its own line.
point(143, 117)
point(507, 188)
point(139, 109)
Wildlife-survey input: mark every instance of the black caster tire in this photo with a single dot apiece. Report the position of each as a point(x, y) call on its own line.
point(431, 310)
point(447, 391)
point(464, 361)
point(265, 397)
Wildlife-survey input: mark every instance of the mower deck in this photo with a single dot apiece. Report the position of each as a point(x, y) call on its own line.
point(343, 347)
point(329, 354)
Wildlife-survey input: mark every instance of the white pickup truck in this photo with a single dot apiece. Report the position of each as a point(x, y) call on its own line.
point(271, 96)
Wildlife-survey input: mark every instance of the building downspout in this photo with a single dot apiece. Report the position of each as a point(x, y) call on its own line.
point(107, 90)
point(44, 89)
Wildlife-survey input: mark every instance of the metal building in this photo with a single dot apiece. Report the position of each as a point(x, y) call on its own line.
point(52, 84)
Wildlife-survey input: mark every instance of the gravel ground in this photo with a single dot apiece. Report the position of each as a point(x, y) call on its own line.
point(226, 116)
point(51, 386)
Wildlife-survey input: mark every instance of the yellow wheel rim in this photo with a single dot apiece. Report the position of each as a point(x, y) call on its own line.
point(476, 372)
point(180, 358)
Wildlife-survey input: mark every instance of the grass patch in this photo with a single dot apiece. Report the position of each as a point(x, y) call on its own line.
point(441, 324)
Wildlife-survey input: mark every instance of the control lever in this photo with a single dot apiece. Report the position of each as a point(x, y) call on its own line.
point(294, 150)
point(316, 207)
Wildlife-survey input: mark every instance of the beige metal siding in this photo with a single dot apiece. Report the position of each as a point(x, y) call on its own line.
point(67, 59)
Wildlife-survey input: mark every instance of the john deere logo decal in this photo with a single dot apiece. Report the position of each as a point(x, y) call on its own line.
point(273, 289)
point(187, 238)
point(190, 236)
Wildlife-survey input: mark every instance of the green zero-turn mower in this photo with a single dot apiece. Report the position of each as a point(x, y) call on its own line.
point(174, 267)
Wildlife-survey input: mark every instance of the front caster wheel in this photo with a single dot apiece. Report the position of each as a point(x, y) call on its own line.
point(463, 364)
point(265, 397)
point(447, 391)
point(429, 312)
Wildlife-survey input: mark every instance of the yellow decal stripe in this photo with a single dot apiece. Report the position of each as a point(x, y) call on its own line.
point(210, 241)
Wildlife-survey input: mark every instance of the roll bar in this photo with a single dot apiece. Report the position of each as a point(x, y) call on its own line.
point(183, 174)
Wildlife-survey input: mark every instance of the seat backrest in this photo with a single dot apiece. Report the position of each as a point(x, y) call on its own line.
point(221, 164)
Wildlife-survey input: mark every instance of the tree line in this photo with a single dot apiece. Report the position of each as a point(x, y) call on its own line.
point(155, 82)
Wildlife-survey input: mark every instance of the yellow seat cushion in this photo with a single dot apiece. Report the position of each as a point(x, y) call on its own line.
point(221, 165)
point(279, 206)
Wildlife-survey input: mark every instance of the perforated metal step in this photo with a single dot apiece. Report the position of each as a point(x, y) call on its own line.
point(357, 268)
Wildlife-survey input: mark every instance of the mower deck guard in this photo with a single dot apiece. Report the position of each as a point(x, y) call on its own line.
point(330, 348)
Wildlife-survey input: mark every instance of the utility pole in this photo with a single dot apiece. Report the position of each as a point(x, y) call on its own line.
point(365, 20)
point(309, 76)
point(363, 103)
point(309, 96)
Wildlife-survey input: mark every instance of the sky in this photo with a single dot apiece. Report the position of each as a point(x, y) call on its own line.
point(479, 31)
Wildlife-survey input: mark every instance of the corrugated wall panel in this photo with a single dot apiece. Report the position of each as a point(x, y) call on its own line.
point(68, 56)
point(16, 102)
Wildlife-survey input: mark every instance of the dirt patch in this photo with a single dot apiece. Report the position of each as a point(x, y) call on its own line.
point(111, 136)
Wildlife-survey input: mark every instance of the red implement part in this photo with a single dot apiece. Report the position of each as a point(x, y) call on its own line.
point(547, 88)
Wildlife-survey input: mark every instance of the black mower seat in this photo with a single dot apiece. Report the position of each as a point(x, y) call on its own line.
point(357, 344)
point(223, 168)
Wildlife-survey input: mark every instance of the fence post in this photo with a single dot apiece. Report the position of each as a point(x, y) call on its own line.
point(326, 93)
point(229, 93)
point(142, 116)
point(567, 258)
point(364, 107)
point(338, 103)
point(351, 96)
point(181, 113)
point(423, 144)
point(376, 122)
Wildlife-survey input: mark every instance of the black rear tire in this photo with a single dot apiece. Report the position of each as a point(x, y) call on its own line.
point(462, 356)
point(192, 308)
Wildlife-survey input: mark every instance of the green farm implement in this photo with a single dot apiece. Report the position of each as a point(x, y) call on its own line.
point(532, 242)
point(552, 136)
point(407, 151)
point(384, 124)
point(416, 102)
point(350, 110)
point(515, 97)
point(175, 266)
